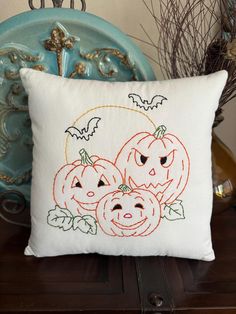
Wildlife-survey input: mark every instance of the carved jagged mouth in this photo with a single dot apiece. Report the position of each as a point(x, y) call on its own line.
point(158, 188)
point(86, 206)
point(129, 227)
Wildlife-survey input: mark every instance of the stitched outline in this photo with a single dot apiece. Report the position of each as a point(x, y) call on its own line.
point(165, 137)
point(101, 107)
point(135, 233)
point(145, 104)
point(95, 165)
point(84, 133)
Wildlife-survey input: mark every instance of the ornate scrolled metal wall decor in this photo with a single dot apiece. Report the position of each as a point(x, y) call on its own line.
point(105, 62)
point(32, 7)
point(57, 4)
point(60, 41)
point(13, 208)
point(82, 48)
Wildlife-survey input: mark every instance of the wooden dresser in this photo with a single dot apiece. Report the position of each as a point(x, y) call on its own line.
point(102, 284)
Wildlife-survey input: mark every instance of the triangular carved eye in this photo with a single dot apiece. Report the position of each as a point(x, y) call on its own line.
point(163, 160)
point(166, 161)
point(140, 159)
point(143, 159)
point(103, 181)
point(76, 183)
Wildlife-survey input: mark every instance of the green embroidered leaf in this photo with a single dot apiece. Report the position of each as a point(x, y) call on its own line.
point(174, 211)
point(60, 218)
point(86, 224)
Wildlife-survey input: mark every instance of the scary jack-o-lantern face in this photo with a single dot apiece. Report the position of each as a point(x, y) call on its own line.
point(158, 162)
point(127, 212)
point(79, 186)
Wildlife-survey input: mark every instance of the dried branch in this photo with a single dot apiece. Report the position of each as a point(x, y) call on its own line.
point(194, 37)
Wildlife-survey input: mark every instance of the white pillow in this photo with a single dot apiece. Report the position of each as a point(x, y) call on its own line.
point(122, 168)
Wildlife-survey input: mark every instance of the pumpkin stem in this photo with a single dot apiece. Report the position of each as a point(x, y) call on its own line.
point(124, 188)
point(85, 159)
point(160, 131)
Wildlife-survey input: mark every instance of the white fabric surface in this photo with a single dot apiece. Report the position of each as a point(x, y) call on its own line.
point(78, 208)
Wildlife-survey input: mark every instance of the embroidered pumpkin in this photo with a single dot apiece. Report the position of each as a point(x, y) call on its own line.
point(79, 186)
point(157, 162)
point(126, 212)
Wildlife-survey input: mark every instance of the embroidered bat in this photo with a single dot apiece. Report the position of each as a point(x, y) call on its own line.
point(86, 132)
point(156, 100)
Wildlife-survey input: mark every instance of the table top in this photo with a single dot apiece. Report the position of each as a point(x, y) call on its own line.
point(103, 284)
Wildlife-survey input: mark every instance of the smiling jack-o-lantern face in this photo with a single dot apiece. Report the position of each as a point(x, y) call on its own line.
point(80, 186)
point(158, 162)
point(127, 212)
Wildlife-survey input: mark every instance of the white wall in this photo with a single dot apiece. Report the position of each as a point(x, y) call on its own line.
point(127, 15)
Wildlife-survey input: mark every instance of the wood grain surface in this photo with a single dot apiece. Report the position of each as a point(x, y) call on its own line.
point(102, 284)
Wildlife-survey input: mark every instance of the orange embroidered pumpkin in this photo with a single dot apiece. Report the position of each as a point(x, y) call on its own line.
point(157, 162)
point(79, 186)
point(126, 212)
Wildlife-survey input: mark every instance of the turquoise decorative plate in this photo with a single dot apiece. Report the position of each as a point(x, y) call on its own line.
point(65, 42)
